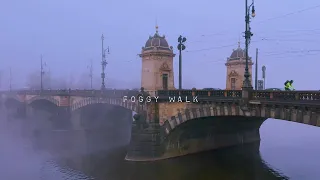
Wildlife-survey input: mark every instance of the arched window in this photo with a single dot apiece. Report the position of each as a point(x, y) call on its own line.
point(233, 83)
point(165, 81)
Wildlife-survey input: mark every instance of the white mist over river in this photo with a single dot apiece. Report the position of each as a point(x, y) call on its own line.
point(290, 148)
point(19, 160)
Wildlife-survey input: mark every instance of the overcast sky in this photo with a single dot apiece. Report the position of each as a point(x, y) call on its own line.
point(67, 33)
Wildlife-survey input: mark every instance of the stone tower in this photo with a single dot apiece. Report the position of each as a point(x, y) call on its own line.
point(157, 64)
point(236, 64)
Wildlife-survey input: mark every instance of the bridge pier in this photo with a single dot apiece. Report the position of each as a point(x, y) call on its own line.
point(145, 135)
point(61, 118)
point(205, 134)
point(145, 143)
point(66, 136)
point(211, 133)
point(16, 111)
point(78, 133)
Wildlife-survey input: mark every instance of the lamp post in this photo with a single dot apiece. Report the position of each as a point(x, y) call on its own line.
point(90, 73)
point(42, 72)
point(103, 64)
point(10, 79)
point(264, 76)
point(247, 82)
point(181, 47)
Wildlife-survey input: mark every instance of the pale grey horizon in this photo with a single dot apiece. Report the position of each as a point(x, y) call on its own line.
point(67, 34)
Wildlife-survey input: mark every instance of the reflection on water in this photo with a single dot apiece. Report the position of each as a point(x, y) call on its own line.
point(232, 163)
point(51, 170)
point(18, 161)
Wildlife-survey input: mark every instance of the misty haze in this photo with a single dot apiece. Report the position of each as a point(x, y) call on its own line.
point(69, 68)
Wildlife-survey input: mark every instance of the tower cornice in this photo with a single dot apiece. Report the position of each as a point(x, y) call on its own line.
point(157, 53)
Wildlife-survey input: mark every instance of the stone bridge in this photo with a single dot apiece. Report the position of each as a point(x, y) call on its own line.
point(168, 125)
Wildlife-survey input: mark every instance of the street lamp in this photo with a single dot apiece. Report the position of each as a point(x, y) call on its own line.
point(181, 47)
point(90, 73)
point(264, 76)
point(10, 76)
point(247, 82)
point(42, 72)
point(103, 64)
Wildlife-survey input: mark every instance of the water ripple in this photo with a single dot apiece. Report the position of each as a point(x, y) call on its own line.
point(51, 170)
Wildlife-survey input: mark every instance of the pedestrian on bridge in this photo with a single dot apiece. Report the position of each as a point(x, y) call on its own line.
point(288, 85)
point(291, 86)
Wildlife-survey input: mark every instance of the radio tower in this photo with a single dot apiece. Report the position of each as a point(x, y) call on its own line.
point(103, 64)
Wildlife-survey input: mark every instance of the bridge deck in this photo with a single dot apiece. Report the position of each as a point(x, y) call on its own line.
point(280, 97)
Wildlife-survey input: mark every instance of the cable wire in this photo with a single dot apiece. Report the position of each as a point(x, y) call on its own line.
point(269, 19)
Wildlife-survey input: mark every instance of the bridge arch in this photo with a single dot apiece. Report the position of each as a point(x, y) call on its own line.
point(12, 101)
point(47, 98)
point(133, 106)
point(298, 114)
point(104, 119)
point(13, 98)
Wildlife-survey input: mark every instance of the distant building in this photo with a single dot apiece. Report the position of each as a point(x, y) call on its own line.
point(236, 67)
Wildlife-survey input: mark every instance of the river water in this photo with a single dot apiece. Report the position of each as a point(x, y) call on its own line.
point(287, 151)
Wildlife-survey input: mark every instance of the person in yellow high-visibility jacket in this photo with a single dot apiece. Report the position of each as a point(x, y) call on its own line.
point(287, 85)
point(291, 86)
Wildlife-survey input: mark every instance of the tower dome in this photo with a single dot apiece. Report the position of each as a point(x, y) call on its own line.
point(238, 54)
point(157, 42)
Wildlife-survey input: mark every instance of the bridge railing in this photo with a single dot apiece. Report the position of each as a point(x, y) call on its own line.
point(201, 93)
point(286, 95)
point(87, 93)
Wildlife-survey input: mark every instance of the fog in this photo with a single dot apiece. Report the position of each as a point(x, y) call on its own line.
point(33, 81)
point(18, 158)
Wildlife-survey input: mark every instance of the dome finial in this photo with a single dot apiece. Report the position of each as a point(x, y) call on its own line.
point(157, 27)
point(239, 42)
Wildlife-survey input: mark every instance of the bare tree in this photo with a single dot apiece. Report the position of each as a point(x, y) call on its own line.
point(33, 80)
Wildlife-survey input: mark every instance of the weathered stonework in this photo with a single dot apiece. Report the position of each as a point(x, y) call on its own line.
point(157, 62)
point(167, 110)
point(236, 68)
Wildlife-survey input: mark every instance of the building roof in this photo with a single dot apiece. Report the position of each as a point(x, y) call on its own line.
point(238, 54)
point(157, 42)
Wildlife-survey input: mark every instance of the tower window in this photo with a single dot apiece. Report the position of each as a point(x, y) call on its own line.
point(233, 83)
point(165, 81)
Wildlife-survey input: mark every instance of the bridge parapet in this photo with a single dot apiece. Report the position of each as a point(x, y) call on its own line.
point(202, 93)
point(298, 96)
point(83, 93)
